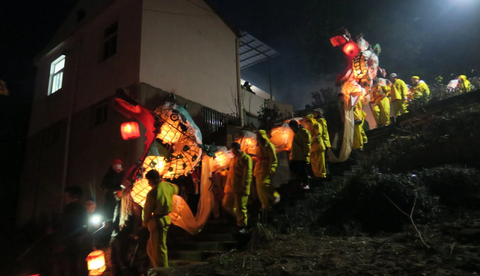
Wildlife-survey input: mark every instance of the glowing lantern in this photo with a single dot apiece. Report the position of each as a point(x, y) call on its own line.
point(222, 159)
point(179, 131)
point(96, 262)
point(130, 130)
point(248, 142)
point(141, 187)
point(282, 136)
point(169, 133)
point(350, 48)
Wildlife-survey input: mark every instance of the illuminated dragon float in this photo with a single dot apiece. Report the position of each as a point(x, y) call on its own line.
point(174, 148)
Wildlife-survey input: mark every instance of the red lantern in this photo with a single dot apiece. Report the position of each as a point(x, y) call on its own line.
point(130, 130)
point(350, 49)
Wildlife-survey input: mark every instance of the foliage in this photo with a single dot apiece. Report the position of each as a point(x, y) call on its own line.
point(457, 187)
point(268, 116)
point(364, 202)
point(321, 97)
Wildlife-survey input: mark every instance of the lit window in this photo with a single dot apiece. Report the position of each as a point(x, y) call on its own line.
point(110, 41)
point(56, 75)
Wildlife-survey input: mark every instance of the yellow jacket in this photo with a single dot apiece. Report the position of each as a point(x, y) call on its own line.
point(399, 90)
point(267, 158)
point(381, 93)
point(301, 145)
point(319, 133)
point(465, 85)
point(421, 90)
point(239, 175)
point(159, 201)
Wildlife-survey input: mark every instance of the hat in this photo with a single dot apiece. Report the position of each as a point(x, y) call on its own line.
point(416, 77)
point(393, 75)
point(117, 161)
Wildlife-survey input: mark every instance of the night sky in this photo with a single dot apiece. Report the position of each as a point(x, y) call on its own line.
point(418, 37)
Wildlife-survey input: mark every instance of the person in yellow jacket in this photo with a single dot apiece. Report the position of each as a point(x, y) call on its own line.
point(264, 171)
point(158, 204)
point(300, 153)
point(320, 143)
point(359, 135)
point(398, 95)
point(237, 188)
point(464, 84)
point(381, 107)
point(420, 89)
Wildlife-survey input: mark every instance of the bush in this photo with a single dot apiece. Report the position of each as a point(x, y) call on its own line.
point(364, 202)
point(457, 187)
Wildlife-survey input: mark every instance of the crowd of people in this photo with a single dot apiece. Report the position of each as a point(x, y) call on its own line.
point(397, 94)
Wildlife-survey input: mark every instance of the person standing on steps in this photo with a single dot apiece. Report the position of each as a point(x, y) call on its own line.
point(300, 153)
point(265, 170)
point(237, 188)
point(381, 107)
point(420, 89)
point(398, 95)
point(158, 204)
point(320, 143)
point(111, 183)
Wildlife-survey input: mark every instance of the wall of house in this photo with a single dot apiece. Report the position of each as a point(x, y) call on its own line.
point(93, 82)
point(188, 50)
point(92, 148)
point(86, 75)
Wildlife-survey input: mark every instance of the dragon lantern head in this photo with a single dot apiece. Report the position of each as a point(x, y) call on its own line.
point(342, 38)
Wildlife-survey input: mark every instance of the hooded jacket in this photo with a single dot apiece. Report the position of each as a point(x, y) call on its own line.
point(319, 133)
point(267, 158)
point(239, 175)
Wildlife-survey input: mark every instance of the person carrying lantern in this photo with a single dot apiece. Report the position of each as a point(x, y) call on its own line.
point(320, 143)
point(264, 171)
point(237, 188)
point(300, 153)
point(398, 95)
point(381, 107)
point(464, 85)
point(158, 204)
point(420, 89)
point(359, 135)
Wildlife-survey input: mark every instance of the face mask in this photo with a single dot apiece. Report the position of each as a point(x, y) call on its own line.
point(117, 167)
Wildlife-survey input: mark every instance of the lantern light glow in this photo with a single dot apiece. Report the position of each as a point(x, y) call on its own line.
point(350, 49)
point(130, 130)
point(96, 262)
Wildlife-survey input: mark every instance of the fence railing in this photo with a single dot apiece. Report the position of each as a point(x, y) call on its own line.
point(214, 120)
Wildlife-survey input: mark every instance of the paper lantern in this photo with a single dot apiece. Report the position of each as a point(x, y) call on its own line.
point(141, 187)
point(170, 133)
point(180, 131)
point(130, 130)
point(96, 262)
point(350, 48)
point(222, 159)
point(182, 138)
point(282, 137)
point(247, 141)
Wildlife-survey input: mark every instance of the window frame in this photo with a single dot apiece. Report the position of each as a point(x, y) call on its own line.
point(53, 74)
point(109, 38)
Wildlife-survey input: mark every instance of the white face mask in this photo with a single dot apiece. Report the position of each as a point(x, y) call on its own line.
point(117, 167)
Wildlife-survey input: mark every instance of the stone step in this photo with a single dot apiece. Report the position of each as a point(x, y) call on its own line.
point(178, 262)
point(194, 255)
point(213, 237)
point(206, 245)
